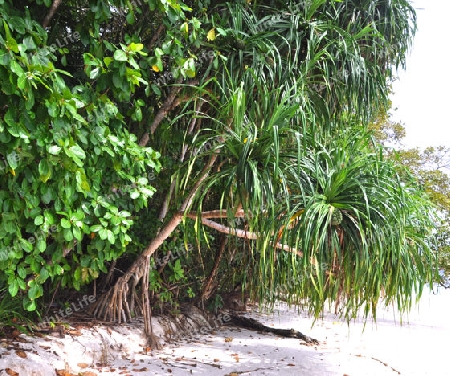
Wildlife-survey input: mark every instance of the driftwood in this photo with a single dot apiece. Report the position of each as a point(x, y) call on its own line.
point(252, 324)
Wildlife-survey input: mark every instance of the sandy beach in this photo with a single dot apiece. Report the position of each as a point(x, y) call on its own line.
point(418, 346)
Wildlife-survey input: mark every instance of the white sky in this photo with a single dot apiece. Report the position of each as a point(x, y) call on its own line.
point(422, 94)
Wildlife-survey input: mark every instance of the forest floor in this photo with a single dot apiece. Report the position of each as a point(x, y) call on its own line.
point(418, 346)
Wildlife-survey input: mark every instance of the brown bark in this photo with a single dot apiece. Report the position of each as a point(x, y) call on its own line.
point(165, 108)
point(156, 36)
point(51, 13)
point(208, 284)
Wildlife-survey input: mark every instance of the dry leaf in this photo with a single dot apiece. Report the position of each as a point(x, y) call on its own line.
point(10, 372)
point(228, 339)
point(83, 365)
point(291, 365)
point(143, 369)
point(21, 353)
point(62, 372)
point(15, 333)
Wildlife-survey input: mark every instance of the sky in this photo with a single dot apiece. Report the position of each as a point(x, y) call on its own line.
point(422, 92)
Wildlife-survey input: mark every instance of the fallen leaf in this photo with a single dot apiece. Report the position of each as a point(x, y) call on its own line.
point(143, 369)
point(62, 372)
point(291, 365)
point(10, 372)
point(15, 333)
point(21, 353)
point(228, 339)
point(83, 365)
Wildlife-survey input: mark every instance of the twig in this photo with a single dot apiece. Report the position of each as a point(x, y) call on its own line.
point(156, 36)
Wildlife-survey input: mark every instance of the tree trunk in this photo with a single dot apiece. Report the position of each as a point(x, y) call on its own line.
point(208, 286)
point(114, 305)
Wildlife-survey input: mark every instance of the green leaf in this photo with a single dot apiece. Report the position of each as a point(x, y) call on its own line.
point(82, 184)
point(135, 47)
point(21, 81)
point(45, 170)
point(94, 73)
point(77, 233)
point(111, 237)
point(130, 18)
point(12, 159)
point(13, 287)
point(108, 60)
point(41, 245)
point(68, 235)
point(77, 151)
point(16, 68)
point(96, 228)
point(54, 150)
point(65, 223)
point(120, 55)
point(35, 291)
point(21, 272)
point(39, 220)
point(103, 233)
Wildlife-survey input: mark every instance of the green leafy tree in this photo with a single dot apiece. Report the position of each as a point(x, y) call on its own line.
point(430, 166)
point(64, 148)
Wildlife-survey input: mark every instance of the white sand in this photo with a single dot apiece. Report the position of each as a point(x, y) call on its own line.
point(418, 347)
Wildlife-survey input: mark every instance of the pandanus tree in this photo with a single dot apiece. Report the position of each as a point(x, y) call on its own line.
point(263, 108)
point(284, 148)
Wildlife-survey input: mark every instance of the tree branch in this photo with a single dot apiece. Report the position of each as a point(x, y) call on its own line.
point(172, 224)
point(51, 13)
point(243, 234)
point(216, 214)
point(156, 36)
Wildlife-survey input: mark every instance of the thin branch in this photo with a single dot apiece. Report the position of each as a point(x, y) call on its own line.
point(165, 108)
point(169, 104)
point(245, 234)
point(216, 214)
point(51, 13)
point(156, 36)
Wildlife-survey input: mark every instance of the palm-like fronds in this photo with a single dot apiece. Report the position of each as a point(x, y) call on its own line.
point(293, 96)
point(361, 232)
